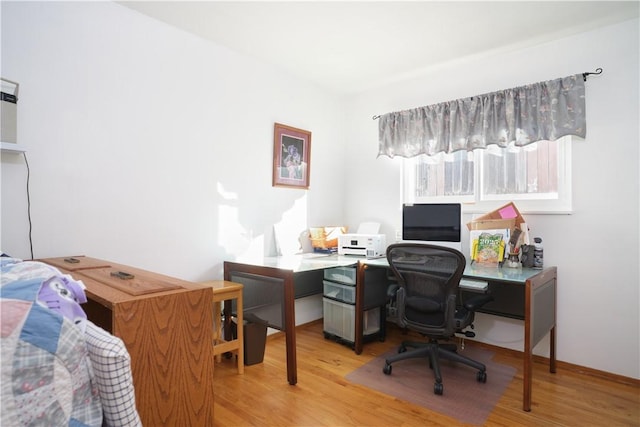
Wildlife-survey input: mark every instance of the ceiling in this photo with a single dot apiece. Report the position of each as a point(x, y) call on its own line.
point(352, 46)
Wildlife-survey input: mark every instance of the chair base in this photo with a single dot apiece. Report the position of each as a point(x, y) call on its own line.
point(434, 351)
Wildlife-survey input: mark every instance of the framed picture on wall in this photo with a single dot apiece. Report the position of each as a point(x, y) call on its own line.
point(291, 156)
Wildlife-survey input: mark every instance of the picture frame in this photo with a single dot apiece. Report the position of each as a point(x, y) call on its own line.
point(291, 156)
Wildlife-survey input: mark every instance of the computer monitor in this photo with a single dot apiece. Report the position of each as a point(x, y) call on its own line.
point(434, 223)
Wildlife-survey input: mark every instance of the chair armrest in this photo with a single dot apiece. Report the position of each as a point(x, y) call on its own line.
point(475, 302)
point(391, 291)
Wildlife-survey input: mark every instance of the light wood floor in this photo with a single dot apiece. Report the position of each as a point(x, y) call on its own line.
point(322, 397)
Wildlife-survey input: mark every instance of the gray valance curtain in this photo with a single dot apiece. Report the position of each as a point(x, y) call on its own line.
point(522, 115)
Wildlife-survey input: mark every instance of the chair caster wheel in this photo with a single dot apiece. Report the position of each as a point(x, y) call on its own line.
point(386, 369)
point(481, 376)
point(402, 349)
point(438, 389)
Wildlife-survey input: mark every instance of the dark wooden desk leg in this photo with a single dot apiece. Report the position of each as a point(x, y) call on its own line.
point(552, 351)
point(540, 293)
point(358, 340)
point(528, 346)
point(290, 329)
point(526, 394)
point(552, 345)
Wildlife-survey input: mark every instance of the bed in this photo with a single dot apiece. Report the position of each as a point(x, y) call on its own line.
point(58, 368)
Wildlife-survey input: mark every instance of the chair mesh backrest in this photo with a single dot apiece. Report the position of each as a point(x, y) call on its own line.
point(429, 277)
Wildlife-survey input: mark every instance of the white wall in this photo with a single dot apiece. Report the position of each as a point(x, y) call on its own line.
point(150, 146)
point(595, 248)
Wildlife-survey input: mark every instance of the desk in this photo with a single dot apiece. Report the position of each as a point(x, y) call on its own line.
point(276, 276)
point(538, 307)
point(538, 288)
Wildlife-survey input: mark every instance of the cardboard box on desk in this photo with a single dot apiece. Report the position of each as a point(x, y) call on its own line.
point(491, 224)
point(325, 238)
point(506, 216)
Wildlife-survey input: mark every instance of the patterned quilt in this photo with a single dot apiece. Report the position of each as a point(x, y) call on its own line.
point(46, 375)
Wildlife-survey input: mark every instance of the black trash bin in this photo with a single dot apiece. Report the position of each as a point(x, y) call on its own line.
point(255, 338)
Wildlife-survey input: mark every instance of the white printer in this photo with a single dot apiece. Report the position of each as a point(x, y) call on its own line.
point(369, 245)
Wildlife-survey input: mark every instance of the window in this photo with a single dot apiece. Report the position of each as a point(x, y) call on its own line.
point(536, 176)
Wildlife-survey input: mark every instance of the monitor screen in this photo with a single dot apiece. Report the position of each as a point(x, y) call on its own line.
point(436, 222)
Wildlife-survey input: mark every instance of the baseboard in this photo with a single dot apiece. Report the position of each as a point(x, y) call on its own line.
point(620, 379)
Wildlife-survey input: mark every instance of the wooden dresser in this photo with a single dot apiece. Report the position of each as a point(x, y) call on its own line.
point(167, 327)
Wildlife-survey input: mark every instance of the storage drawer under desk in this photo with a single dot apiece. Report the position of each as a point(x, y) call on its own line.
point(346, 275)
point(338, 292)
point(339, 320)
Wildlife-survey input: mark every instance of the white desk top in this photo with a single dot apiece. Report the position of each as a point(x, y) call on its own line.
point(477, 271)
point(312, 261)
point(303, 262)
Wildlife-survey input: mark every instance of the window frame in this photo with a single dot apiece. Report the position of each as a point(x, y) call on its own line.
point(477, 204)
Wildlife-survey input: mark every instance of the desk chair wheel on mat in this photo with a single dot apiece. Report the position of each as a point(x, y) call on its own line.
point(428, 279)
point(434, 351)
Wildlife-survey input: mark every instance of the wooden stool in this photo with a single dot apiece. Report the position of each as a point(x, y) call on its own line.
point(227, 291)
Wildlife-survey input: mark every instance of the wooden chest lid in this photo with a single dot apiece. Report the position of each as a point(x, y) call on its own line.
point(75, 263)
point(133, 283)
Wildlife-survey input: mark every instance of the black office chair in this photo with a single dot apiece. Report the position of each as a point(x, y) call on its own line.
point(427, 302)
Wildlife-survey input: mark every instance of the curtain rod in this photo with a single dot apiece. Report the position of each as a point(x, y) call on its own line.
point(598, 71)
point(584, 76)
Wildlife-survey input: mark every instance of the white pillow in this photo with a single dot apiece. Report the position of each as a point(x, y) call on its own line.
point(112, 369)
